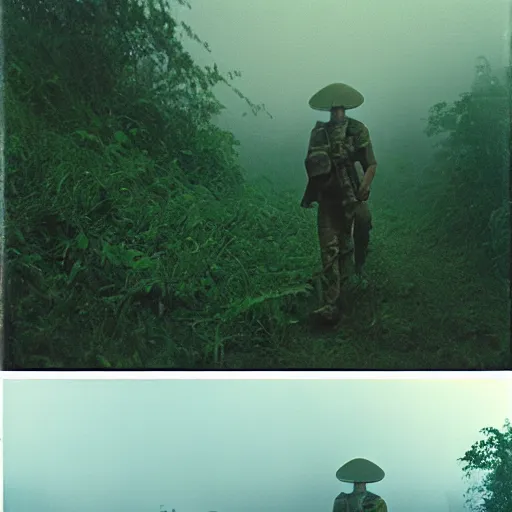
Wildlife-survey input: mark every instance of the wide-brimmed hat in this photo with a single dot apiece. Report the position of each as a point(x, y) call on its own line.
point(336, 95)
point(360, 470)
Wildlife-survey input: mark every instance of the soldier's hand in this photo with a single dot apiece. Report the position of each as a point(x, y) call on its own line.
point(363, 193)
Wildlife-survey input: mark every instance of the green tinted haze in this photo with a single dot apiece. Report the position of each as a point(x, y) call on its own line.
point(237, 446)
point(403, 56)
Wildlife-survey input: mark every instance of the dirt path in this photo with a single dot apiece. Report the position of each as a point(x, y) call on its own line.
point(427, 307)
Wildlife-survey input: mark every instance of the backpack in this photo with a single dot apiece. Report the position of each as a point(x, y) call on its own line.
point(320, 166)
point(318, 161)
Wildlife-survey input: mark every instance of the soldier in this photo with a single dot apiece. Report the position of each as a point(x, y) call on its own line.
point(485, 83)
point(359, 472)
point(489, 103)
point(341, 193)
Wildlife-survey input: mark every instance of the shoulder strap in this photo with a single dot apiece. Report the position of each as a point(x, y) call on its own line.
point(327, 136)
point(320, 125)
point(356, 501)
point(371, 498)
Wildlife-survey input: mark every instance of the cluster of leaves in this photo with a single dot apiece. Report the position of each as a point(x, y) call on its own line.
point(473, 160)
point(493, 457)
point(131, 234)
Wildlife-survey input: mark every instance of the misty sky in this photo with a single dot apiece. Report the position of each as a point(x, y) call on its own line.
point(228, 446)
point(403, 56)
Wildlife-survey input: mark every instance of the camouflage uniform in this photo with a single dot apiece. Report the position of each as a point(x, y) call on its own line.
point(359, 502)
point(340, 214)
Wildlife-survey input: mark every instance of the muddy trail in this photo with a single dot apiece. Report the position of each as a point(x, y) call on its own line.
point(428, 304)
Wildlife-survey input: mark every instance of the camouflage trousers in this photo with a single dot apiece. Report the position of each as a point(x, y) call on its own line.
point(344, 232)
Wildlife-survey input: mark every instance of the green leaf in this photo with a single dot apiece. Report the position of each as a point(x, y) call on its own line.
point(104, 362)
point(86, 135)
point(19, 235)
point(61, 182)
point(74, 271)
point(82, 242)
point(242, 306)
point(121, 137)
point(130, 254)
point(143, 264)
point(116, 149)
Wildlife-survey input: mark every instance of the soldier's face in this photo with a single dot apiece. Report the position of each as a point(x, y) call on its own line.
point(338, 114)
point(482, 67)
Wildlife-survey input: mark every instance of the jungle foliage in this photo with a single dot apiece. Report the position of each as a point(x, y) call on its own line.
point(134, 240)
point(491, 459)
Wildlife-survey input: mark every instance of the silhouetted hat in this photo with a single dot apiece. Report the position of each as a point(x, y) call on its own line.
point(360, 470)
point(336, 95)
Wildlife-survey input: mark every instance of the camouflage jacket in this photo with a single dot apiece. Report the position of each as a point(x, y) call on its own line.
point(360, 502)
point(349, 143)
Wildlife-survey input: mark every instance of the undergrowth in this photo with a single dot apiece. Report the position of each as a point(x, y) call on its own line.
point(134, 241)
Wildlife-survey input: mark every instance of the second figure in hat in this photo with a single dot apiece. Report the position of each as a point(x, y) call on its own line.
point(359, 472)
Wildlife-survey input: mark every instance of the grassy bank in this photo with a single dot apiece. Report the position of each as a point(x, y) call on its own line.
point(203, 282)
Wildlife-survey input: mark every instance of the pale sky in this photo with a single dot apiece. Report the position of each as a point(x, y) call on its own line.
point(228, 446)
point(403, 56)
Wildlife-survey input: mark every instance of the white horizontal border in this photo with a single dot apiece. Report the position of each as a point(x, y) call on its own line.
point(257, 375)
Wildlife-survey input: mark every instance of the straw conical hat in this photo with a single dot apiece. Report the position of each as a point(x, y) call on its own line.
point(336, 95)
point(360, 470)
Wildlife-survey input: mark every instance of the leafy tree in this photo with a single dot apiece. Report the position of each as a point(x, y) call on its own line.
point(473, 166)
point(491, 457)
